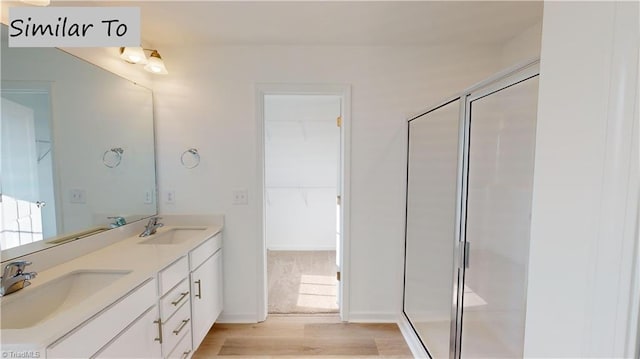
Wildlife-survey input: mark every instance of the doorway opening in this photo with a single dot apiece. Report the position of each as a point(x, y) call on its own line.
point(26, 142)
point(303, 196)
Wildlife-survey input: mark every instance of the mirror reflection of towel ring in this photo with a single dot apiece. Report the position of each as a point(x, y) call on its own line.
point(112, 158)
point(191, 161)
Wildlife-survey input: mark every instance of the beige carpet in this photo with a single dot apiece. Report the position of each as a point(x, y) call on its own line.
point(302, 282)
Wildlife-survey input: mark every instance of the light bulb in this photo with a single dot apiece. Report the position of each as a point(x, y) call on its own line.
point(133, 55)
point(155, 64)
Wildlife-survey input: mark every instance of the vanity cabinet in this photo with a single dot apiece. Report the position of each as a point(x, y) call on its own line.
point(167, 316)
point(206, 288)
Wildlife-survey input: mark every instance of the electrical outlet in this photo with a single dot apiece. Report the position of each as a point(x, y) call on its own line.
point(241, 197)
point(148, 196)
point(78, 196)
point(170, 196)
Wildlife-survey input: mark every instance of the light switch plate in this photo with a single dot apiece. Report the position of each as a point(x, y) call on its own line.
point(241, 197)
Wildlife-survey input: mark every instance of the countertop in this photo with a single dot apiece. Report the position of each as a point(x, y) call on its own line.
point(144, 262)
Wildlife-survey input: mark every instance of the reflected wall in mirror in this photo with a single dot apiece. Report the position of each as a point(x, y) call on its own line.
point(77, 148)
point(432, 192)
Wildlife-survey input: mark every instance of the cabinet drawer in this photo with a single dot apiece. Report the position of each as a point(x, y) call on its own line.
point(204, 251)
point(174, 299)
point(85, 340)
point(175, 327)
point(140, 340)
point(183, 350)
point(173, 274)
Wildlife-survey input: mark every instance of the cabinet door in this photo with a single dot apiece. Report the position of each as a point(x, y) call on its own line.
point(206, 296)
point(140, 340)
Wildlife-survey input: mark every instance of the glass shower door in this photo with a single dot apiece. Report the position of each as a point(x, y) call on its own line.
point(432, 179)
point(498, 210)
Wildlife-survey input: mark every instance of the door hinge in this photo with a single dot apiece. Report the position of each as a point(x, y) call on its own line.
point(339, 121)
point(339, 200)
point(338, 276)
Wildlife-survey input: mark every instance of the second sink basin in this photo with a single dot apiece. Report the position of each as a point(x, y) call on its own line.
point(174, 236)
point(30, 306)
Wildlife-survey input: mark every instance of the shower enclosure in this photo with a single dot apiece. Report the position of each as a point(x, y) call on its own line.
point(469, 185)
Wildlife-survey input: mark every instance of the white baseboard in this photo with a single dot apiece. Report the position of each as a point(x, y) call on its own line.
point(292, 248)
point(372, 317)
point(229, 318)
point(411, 338)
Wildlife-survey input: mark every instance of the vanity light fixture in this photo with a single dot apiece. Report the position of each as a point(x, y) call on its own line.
point(37, 2)
point(136, 55)
point(155, 64)
point(133, 55)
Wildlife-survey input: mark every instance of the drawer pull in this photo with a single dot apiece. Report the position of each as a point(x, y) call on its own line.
point(182, 296)
point(184, 322)
point(199, 295)
point(186, 354)
point(159, 338)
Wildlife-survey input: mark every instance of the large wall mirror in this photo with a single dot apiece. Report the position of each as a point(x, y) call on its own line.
point(77, 149)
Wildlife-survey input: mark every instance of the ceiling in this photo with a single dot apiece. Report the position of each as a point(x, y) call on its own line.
point(387, 23)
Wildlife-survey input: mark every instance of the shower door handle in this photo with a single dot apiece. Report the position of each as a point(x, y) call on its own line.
point(466, 254)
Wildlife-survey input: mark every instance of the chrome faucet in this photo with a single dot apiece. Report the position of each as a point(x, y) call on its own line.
point(151, 227)
point(14, 278)
point(117, 222)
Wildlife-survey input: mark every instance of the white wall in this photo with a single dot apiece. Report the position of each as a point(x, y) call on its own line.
point(302, 149)
point(582, 250)
point(207, 101)
point(522, 47)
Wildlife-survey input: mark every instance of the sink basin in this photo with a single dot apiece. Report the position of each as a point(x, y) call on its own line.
point(30, 306)
point(174, 236)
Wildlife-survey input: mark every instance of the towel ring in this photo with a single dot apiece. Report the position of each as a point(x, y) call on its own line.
point(195, 161)
point(116, 158)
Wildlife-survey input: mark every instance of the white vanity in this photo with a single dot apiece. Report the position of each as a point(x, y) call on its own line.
point(141, 297)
